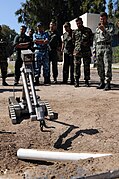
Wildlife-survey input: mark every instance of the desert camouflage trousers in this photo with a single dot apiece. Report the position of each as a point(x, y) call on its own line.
point(104, 62)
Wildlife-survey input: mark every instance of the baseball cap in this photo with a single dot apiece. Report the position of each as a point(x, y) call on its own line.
point(39, 24)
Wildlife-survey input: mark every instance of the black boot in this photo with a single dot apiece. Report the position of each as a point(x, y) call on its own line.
point(64, 81)
point(36, 81)
point(46, 80)
point(16, 81)
point(107, 86)
point(4, 82)
point(101, 85)
point(55, 80)
point(86, 83)
point(76, 83)
point(72, 82)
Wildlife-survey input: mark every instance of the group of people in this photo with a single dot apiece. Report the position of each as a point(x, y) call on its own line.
point(45, 45)
point(75, 46)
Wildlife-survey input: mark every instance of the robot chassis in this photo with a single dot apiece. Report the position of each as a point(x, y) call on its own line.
point(30, 104)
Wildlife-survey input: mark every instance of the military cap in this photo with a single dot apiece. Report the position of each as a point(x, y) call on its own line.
point(39, 24)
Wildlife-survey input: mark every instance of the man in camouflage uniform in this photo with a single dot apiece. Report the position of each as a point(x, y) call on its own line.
point(103, 51)
point(82, 38)
point(67, 48)
point(3, 57)
point(55, 44)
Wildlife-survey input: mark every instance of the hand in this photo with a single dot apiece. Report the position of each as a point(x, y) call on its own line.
point(39, 41)
point(23, 45)
point(101, 27)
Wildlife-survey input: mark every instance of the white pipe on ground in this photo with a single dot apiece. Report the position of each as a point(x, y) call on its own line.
point(32, 154)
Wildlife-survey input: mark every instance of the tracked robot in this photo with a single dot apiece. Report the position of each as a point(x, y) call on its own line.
point(29, 105)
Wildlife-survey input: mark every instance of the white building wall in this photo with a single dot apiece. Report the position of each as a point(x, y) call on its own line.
point(89, 20)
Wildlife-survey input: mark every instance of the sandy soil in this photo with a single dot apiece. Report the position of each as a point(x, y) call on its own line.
point(87, 122)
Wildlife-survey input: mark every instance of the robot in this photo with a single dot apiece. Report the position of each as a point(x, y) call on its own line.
point(30, 105)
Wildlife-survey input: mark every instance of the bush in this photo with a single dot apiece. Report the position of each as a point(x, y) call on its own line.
point(116, 54)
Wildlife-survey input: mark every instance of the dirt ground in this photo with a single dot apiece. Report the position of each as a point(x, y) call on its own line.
point(87, 122)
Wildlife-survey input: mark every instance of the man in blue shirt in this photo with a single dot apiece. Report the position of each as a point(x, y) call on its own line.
point(41, 45)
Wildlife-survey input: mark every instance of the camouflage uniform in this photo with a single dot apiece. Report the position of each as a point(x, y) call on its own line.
point(82, 40)
point(103, 50)
point(68, 57)
point(3, 58)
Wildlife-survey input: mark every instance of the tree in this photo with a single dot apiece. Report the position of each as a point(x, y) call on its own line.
point(9, 34)
point(116, 9)
point(62, 10)
point(110, 9)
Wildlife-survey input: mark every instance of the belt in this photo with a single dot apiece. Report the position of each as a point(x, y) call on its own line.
point(103, 43)
point(41, 50)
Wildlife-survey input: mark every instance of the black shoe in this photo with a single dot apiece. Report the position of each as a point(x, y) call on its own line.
point(86, 83)
point(76, 84)
point(107, 86)
point(46, 81)
point(16, 83)
point(101, 85)
point(36, 83)
point(49, 81)
point(5, 84)
point(55, 81)
point(72, 83)
point(64, 82)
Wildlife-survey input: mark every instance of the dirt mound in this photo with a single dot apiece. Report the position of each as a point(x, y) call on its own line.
point(87, 122)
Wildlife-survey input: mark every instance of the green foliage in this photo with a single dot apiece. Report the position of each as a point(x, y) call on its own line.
point(110, 9)
point(116, 54)
point(9, 35)
point(116, 9)
point(62, 10)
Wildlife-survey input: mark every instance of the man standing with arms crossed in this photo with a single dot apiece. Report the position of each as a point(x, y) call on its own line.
point(102, 48)
point(41, 44)
point(21, 42)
